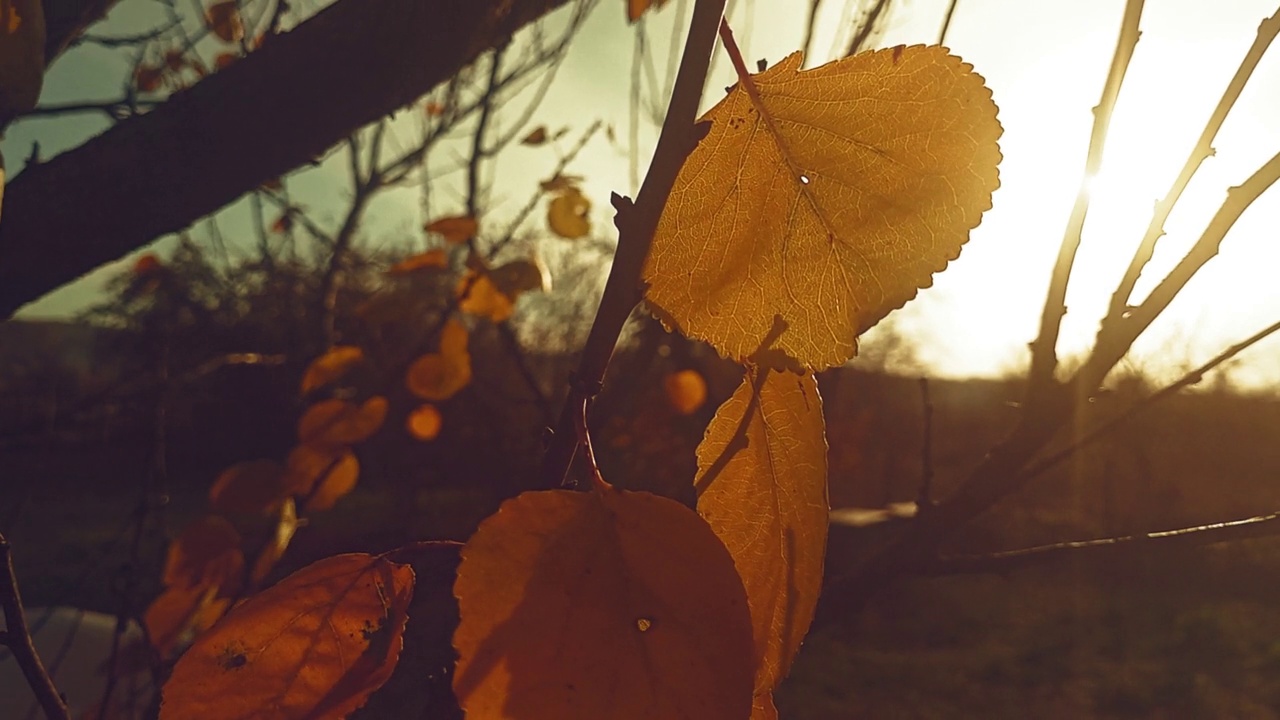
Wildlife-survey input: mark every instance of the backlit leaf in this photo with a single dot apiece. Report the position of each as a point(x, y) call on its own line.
point(312, 464)
point(436, 259)
point(762, 486)
point(175, 613)
point(440, 375)
point(331, 366)
point(286, 527)
point(339, 422)
point(762, 708)
point(828, 206)
point(206, 553)
point(335, 485)
point(225, 21)
point(517, 277)
point(567, 214)
point(603, 604)
point(455, 229)
point(255, 486)
point(424, 423)
point(313, 646)
point(482, 298)
point(686, 391)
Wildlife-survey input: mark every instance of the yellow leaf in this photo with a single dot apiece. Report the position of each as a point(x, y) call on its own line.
point(286, 527)
point(436, 259)
point(440, 375)
point(762, 486)
point(482, 298)
point(325, 465)
point(256, 486)
point(456, 229)
point(22, 36)
point(331, 366)
point(225, 21)
point(686, 391)
point(827, 207)
point(453, 339)
point(636, 8)
point(338, 422)
point(520, 276)
point(315, 646)
point(567, 214)
point(603, 604)
point(425, 422)
point(207, 553)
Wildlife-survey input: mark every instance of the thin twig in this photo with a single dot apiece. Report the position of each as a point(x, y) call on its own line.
point(636, 224)
point(17, 638)
point(868, 26)
point(946, 22)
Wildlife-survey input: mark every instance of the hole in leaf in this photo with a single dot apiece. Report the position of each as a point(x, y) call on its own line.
point(804, 179)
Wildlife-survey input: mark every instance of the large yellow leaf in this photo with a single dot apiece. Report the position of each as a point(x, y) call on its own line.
point(762, 486)
point(828, 206)
point(604, 604)
point(313, 646)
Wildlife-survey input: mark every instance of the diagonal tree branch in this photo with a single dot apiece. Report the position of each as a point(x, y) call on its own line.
point(265, 115)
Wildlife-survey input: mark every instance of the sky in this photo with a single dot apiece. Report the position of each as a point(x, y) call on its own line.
point(1045, 63)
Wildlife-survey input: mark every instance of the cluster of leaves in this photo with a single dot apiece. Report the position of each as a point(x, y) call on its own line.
point(610, 603)
point(224, 22)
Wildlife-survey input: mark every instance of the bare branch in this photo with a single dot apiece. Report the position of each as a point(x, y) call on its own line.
point(17, 638)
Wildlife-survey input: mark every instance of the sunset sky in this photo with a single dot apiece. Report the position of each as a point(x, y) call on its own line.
point(1045, 63)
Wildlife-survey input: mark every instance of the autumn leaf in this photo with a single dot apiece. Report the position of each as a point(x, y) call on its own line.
point(339, 422)
point(224, 60)
point(538, 136)
point(827, 206)
point(762, 708)
point(148, 78)
point(517, 277)
point(224, 20)
point(424, 422)
point(479, 296)
point(567, 214)
point(603, 604)
point(456, 229)
point(207, 553)
point(337, 483)
point(686, 391)
point(331, 366)
point(314, 646)
point(255, 486)
point(636, 8)
point(286, 528)
point(436, 259)
point(762, 486)
point(172, 615)
point(22, 38)
point(310, 465)
point(440, 375)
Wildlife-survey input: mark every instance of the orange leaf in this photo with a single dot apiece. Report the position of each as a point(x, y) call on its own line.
point(439, 376)
point(339, 422)
point(482, 298)
point(146, 264)
point(567, 214)
point(148, 78)
point(603, 604)
point(433, 109)
point(762, 486)
point(436, 259)
point(314, 646)
point(169, 618)
point(425, 422)
point(537, 137)
point(310, 464)
point(224, 60)
point(206, 553)
point(255, 486)
point(686, 391)
point(339, 481)
point(286, 527)
point(823, 202)
point(636, 8)
point(762, 708)
point(225, 21)
point(456, 229)
point(331, 366)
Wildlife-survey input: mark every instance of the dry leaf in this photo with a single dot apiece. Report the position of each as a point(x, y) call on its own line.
point(762, 486)
point(436, 259)
point(517, 277)
point(339, 422)
point(567, 214)
point(880, 166)
point(440, 375)
point(207, 553)
point(604, 604)
point(255, 486)
point(686, 391)
point(225, 21)
point(636, 8)
point(482, 298)
point(424, 423)
point(331, 366)
point(537, 137)
point(454, 230)
point(315, 646)
point(336, 484)
point(312, 464)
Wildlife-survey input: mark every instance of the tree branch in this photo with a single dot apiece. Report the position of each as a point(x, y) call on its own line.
point(156, 173)
point(18, 639)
